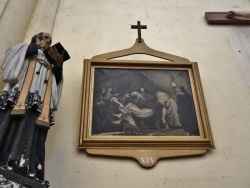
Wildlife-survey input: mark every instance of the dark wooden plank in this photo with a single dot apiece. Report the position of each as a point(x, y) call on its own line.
point(221, 18)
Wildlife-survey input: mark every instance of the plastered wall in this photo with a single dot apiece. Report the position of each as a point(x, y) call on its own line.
point(14, 21)
point(87, 28)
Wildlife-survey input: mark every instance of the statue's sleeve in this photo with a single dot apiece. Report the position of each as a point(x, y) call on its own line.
point(15, 64)
point(32, 50)
point(57, 71)
point(56, 92)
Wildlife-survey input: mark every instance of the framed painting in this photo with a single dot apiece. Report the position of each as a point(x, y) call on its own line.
point(142, 109)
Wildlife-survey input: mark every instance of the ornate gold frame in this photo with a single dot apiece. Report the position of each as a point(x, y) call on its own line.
point(146, 149)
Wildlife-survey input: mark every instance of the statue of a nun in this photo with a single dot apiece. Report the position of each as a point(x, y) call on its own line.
point(32, 91)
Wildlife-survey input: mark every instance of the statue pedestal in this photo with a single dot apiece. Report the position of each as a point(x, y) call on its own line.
point(10, 178)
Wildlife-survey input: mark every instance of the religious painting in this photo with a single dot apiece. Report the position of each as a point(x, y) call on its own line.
point(143, 104)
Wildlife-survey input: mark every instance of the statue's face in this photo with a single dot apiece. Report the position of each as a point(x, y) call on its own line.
point(45, 40)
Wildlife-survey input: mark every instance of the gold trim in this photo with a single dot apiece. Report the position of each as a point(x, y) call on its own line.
point(86, 140)
point(146, 149)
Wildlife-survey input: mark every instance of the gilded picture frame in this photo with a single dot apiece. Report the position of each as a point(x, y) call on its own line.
point(143, 109)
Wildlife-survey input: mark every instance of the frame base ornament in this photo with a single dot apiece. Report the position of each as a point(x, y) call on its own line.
point(146, 158)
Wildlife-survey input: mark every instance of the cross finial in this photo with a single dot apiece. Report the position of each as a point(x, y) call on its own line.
point(139, 27)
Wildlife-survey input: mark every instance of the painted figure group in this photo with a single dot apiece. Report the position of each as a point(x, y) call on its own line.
point(142, 110)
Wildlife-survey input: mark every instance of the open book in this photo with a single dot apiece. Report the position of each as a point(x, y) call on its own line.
point(60, 49)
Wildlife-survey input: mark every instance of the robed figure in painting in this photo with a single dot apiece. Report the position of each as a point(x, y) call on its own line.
point(24, 124)
point(186, 111)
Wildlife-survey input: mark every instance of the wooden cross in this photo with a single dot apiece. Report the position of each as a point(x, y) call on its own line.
point(44, 117)
point(139, 27)
point(230, 17)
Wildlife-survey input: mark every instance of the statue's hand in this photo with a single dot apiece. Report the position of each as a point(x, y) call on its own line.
point(58, 58)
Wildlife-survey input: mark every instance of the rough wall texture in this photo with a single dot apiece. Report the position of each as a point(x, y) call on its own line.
point(43, 18)
point(3, 4)
point(14, 21)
